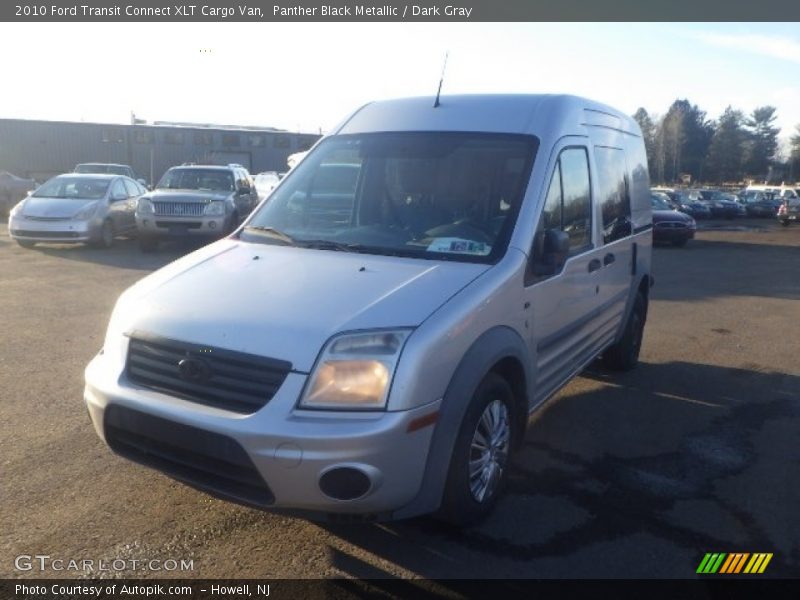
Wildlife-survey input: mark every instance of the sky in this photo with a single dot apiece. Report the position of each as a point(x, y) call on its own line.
point(308, 76)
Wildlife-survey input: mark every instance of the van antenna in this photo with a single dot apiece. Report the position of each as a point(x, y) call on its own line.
point(441, 80)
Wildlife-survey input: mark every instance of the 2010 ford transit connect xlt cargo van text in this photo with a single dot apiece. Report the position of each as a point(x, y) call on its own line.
point(371, 341)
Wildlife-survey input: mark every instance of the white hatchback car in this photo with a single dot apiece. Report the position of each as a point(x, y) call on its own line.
point(371, 345)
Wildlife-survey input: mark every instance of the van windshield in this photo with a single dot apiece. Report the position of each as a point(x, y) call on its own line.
point(432, 195)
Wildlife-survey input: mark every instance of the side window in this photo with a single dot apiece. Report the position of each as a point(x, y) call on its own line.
point(567, 210)
point(612, 193)
point(551, 213)
point(576, 217)
point(118, 191)
point(132, 188)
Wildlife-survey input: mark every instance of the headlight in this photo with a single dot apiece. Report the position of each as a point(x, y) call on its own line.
point(87, 212)
point(354, 371)
point(144, 207)
point(214, 209)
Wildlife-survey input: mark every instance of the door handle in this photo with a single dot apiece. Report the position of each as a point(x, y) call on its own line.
point(594, 264)
point(608, 259)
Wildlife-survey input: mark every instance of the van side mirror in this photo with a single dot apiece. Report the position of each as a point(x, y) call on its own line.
point(555, 249)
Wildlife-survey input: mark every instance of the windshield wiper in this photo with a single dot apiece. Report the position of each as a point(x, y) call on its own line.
point(331, 245)
point(276, 234)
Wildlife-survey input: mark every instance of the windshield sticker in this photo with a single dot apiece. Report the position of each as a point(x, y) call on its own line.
point(459, 245)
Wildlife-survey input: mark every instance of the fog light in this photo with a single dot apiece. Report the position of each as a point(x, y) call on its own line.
point(344, 483)
point(212, 225)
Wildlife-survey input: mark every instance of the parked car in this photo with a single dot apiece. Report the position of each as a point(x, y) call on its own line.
point(692, 207)
point(265, 182)
point(110, 168)
point(12, 190)
point(731, 206)
point(669, 225)
point(761, 204)
point(195, 201)
point(77, 208)
point(385, 365)
point(721, 205)
point(789, 211)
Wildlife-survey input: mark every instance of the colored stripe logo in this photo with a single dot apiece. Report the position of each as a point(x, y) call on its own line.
point(734, 563)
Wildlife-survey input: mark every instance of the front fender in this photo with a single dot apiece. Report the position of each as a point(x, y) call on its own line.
point(487, 351)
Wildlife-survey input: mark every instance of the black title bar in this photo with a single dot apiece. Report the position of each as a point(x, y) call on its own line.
point(388, 11)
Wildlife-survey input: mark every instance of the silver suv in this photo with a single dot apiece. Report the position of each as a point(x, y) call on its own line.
point(195, 201)
point(371, 342)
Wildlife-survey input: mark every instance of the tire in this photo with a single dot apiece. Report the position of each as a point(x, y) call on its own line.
point(26, 243)
point(679, 243)
point(624, 355)
point(106, 239)
point(234, 223)
point(785, 222)
point(148, 244)
point(490, 413)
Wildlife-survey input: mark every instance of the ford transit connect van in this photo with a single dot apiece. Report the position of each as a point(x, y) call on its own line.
point(370, 343)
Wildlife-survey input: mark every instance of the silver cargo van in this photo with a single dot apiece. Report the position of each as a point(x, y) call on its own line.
point(371, 341)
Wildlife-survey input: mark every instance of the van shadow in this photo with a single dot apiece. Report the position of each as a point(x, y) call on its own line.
point(715, 268)
point(673, 459)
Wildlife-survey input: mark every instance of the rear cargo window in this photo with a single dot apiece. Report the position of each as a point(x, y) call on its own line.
point(612, 193)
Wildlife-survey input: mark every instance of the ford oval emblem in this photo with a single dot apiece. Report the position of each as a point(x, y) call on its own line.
point(194, 370)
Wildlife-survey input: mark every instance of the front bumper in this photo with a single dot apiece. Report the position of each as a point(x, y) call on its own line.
point(285, 449)
point(671, 234)
point(66, 230)
point(175, 227)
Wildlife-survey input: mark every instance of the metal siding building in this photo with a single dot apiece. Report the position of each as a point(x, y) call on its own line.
point(43, 149)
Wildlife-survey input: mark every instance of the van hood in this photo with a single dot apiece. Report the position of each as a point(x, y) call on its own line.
point(285, 302)
point(54, 208)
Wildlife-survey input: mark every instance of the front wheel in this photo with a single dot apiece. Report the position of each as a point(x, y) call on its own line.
point(785, 222)
point(479, 464)
point(106, 238)
point(624, 355)
point(680, 243)
point(26, 243)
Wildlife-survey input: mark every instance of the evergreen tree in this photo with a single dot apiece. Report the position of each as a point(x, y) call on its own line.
point(763, 141)
point(726, 152)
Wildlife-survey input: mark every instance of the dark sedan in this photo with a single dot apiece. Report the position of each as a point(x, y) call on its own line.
point(693, 208)
point(669, 225)
point(727, 205)
point(761, 204)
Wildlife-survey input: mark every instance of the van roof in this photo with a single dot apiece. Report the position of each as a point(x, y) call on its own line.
point(548, 116)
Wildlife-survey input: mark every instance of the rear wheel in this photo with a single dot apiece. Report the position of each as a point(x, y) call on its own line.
point(479, 465)
point(785, 222)
point(624, 355)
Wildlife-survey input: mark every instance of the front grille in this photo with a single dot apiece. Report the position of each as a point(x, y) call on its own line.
point(44, 234)
point(225, 379)
point(179, 209)
point(209, 461)
point(671, 225)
